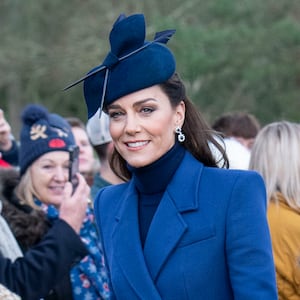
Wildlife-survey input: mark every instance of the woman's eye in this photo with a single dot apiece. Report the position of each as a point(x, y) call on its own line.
point(114, 114)
point(147, 110)
point(47, 167)
point(85, 144)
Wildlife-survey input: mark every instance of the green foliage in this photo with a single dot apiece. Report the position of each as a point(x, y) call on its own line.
point(233, 55)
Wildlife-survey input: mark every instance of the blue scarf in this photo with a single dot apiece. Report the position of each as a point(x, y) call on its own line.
point(88, 277)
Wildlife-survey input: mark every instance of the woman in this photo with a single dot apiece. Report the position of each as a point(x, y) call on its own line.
point(44, 164)
point(54, 255)
point(179, 228)
point(275, 155)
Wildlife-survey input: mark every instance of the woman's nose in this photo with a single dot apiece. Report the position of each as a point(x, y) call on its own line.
point(132, 125)
point(81, 148)
point(61, 174)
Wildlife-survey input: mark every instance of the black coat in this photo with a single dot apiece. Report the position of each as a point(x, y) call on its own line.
point(35, 274)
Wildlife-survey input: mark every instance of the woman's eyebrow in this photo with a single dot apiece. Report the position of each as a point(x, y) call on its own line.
point(137, 103)
point(143, 101)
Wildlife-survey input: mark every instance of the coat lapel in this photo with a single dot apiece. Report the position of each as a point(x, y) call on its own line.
point(141, 268)
point(129, 253)
point(166, 229)
point(168, 225)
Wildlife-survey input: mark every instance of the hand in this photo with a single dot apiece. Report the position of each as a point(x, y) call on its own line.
point(73, 207)
point(5, 133)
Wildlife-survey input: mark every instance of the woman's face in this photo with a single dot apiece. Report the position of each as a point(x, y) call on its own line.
point(86, 154)
point(49, 175)
point(142, 125)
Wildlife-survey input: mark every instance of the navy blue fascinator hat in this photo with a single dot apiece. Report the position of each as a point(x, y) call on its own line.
point(131, 65)
point(42, 132)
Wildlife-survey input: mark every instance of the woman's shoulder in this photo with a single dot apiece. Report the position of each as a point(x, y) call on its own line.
point(112, 193)
point(113, 190)
point(282, 216)
point(246, 179)
point(218, 174)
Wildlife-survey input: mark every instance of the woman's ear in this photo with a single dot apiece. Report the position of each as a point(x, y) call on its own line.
point(180, 114)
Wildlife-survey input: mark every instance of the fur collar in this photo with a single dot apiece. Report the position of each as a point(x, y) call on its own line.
point(27, 224)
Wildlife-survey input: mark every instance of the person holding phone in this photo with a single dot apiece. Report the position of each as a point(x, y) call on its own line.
point(45, 142)
point(53, 256)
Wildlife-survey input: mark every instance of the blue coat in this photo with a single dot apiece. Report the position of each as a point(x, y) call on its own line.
point(209, 238)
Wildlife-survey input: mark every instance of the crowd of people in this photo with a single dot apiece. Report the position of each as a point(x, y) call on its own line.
point(167, 206)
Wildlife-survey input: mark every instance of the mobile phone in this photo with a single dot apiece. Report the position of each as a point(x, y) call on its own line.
point(74, 165)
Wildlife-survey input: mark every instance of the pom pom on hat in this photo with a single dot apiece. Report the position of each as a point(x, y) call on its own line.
point(132, 64)
point(34, 113)
point(42, 132)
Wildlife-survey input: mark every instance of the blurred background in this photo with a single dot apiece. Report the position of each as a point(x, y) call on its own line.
point(232, 54)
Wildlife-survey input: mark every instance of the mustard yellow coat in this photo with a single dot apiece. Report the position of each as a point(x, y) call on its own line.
point(284, 225)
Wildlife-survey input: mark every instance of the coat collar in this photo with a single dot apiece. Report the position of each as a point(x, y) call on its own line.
point(141, 267)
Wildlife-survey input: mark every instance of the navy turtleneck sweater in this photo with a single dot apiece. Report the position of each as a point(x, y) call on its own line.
point(151, 182)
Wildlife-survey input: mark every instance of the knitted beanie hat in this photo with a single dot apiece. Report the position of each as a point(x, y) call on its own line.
point(42, 132)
